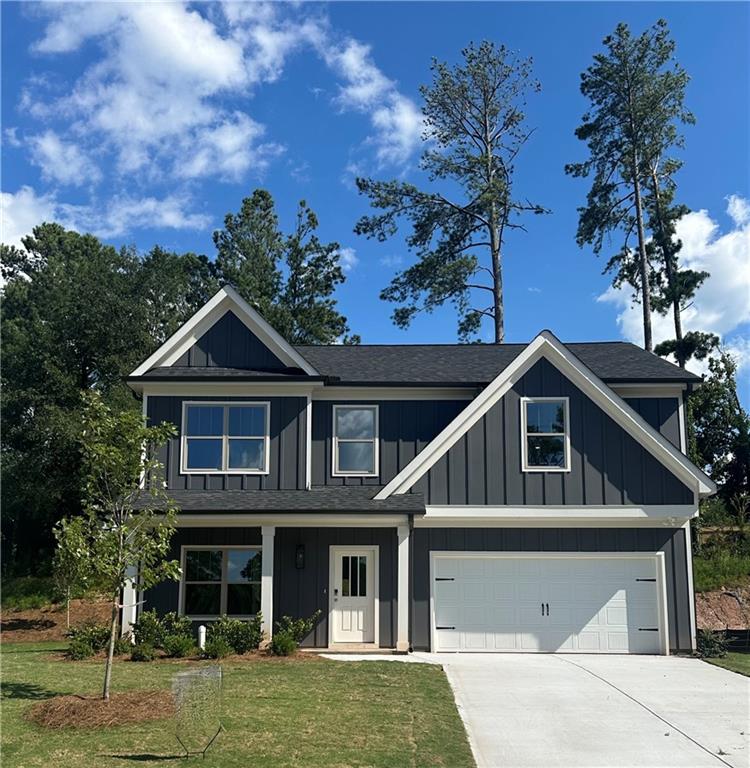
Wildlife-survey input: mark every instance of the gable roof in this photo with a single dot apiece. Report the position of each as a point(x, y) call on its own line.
point(548, 346)
point(225, 300)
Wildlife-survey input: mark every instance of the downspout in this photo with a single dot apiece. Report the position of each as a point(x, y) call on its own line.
point(411, 579)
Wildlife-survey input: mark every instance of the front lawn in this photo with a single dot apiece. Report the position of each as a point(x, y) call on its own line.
point(280, 712)
point(735, 662)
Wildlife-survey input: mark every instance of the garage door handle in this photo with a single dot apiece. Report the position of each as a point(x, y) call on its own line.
point(444, 627)
point(444, 578)
point(645, 579)
point(648, 629)
point(547, 604)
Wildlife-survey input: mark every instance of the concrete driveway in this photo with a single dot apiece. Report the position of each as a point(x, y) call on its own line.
point(603, 711)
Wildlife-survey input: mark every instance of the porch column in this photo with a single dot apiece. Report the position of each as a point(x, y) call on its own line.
point(402, 594)
point(266, 580)
point(129, 601)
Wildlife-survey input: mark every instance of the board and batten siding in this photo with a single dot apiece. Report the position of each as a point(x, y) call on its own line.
point(405, 428)
point(229, 343)
point(671, 541)
point(662, 413)
point(287, 446)
point(607, 465)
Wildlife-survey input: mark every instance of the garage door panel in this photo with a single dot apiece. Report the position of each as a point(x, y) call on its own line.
point(546, 604)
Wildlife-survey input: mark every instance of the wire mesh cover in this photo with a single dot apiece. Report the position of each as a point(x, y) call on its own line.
point(197, 697)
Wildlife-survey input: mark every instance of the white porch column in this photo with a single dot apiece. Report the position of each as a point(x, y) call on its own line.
point(266, 580)
point(402, 594)
point(129, 601)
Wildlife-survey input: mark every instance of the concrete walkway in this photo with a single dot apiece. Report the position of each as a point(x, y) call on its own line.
point(578, 711)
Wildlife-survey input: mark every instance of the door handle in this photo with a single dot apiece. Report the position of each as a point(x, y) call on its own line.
point(547, 604)
point(542, 609)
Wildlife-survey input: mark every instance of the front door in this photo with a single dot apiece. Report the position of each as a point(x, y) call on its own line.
point(353, 595)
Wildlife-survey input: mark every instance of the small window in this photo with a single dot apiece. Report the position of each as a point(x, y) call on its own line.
point(545, 434)
point(225, 437)
point(355, 440)
point(222, 581)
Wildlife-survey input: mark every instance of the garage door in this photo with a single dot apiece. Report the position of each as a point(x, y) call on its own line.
point(572, 604)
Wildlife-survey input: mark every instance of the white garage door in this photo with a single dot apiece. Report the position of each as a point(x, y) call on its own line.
point(548, 603)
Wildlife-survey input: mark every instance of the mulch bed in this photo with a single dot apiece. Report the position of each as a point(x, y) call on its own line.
point(94, 712)
point(45, 624)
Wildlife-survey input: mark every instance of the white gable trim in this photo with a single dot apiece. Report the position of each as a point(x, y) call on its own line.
point(547, 346)
point(226, 299)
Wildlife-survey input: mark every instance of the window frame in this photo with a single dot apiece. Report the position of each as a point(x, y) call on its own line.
point(223, 590)
point(375, 439)
point(565, 434)
point(225, 437)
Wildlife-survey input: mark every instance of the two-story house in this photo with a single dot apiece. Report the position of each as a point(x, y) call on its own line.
point(514, 497)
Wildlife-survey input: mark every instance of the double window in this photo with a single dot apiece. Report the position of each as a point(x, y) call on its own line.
point(225, 437)
point(545, 434)
point(355, 440)
point(219, 581)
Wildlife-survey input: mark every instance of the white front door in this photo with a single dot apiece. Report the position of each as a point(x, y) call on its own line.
point(353, 595)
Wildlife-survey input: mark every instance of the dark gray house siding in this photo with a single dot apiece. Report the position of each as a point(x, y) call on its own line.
point(607, 465)
point(287, 446)
point(405, 428)
point(302, 592)
point(662, 413)
point(229, 343)
point(671, 541)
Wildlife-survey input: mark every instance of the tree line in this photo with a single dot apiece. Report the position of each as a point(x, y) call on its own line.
point(77, 315)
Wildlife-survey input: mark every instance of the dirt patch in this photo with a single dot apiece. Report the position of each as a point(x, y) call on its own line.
point(723, 609)
point(45, 624)
point(91, 712)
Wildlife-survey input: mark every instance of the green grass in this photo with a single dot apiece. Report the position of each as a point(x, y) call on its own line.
point(735, 662)
point(21, 593)
point(276, 713)
point(721, 569)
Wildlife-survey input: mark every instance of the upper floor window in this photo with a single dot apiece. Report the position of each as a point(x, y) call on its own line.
point(545, 434)
point(355, 440)
point(225, 437)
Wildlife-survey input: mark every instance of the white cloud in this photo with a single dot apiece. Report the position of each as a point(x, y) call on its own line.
point(62, 161)
point(532, 289)
point(392, 260)
point(22, 211)
point(348, 259)
point(722, 304)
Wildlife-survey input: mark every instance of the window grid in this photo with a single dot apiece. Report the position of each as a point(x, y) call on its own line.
point(336, 472)
point(564, 435)
point(225, 438)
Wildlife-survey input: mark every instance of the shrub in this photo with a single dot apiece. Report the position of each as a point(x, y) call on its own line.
point(21, 593)
point(79, 649)
point(240, 635)
point(148, 629)
point(711, 644)
point(123, 645)
point(178, 646)
point(143, 652)
point(297, 629)
point(283, 644)
point(174, 625)
point(216, 648)
point(95, 635)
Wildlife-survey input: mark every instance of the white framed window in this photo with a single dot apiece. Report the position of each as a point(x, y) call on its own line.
point(545, 434)
point(219, 581)
point(225, 438)
point(355, 440)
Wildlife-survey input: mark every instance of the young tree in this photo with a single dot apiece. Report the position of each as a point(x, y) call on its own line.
point(70, 564)
point(289, 279)
point(129, 516)
point(636, 97)
point(474, 130)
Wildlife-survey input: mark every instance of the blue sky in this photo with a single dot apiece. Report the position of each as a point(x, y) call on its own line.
point(146, 124)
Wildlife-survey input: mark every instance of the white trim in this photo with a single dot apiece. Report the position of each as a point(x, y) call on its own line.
point(547, 346)
point(682, 418)
point(224, 300)
point(661, 584)
point(374, 549)
point(224, 548)
point(268, 533)
point(667, 512)
point(226, 388)
point(308, 443)
point(525, 467)
point(402, 593)
point(144, 417)
point(129, 600)
point(691, 586)
point(375, 440)
point(292, 520)
point(363, 394)
point(225, 437)
point(648, 390)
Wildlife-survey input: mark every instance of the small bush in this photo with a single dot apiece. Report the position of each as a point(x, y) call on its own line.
point(178, 646)
point(174, 625)
point(95, 635)
point(123, 645)
point(216, 648)
point(711, 644)
point(143, 652)
point(79, 649)
point(240, 635)
point(297, 629)
point(148, 629)
point(283, 644)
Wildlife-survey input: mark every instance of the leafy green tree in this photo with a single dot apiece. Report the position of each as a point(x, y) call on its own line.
point(129, 516)
point(474, 131)
point(70, 565)
point(636, 95)
point(291, 279)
